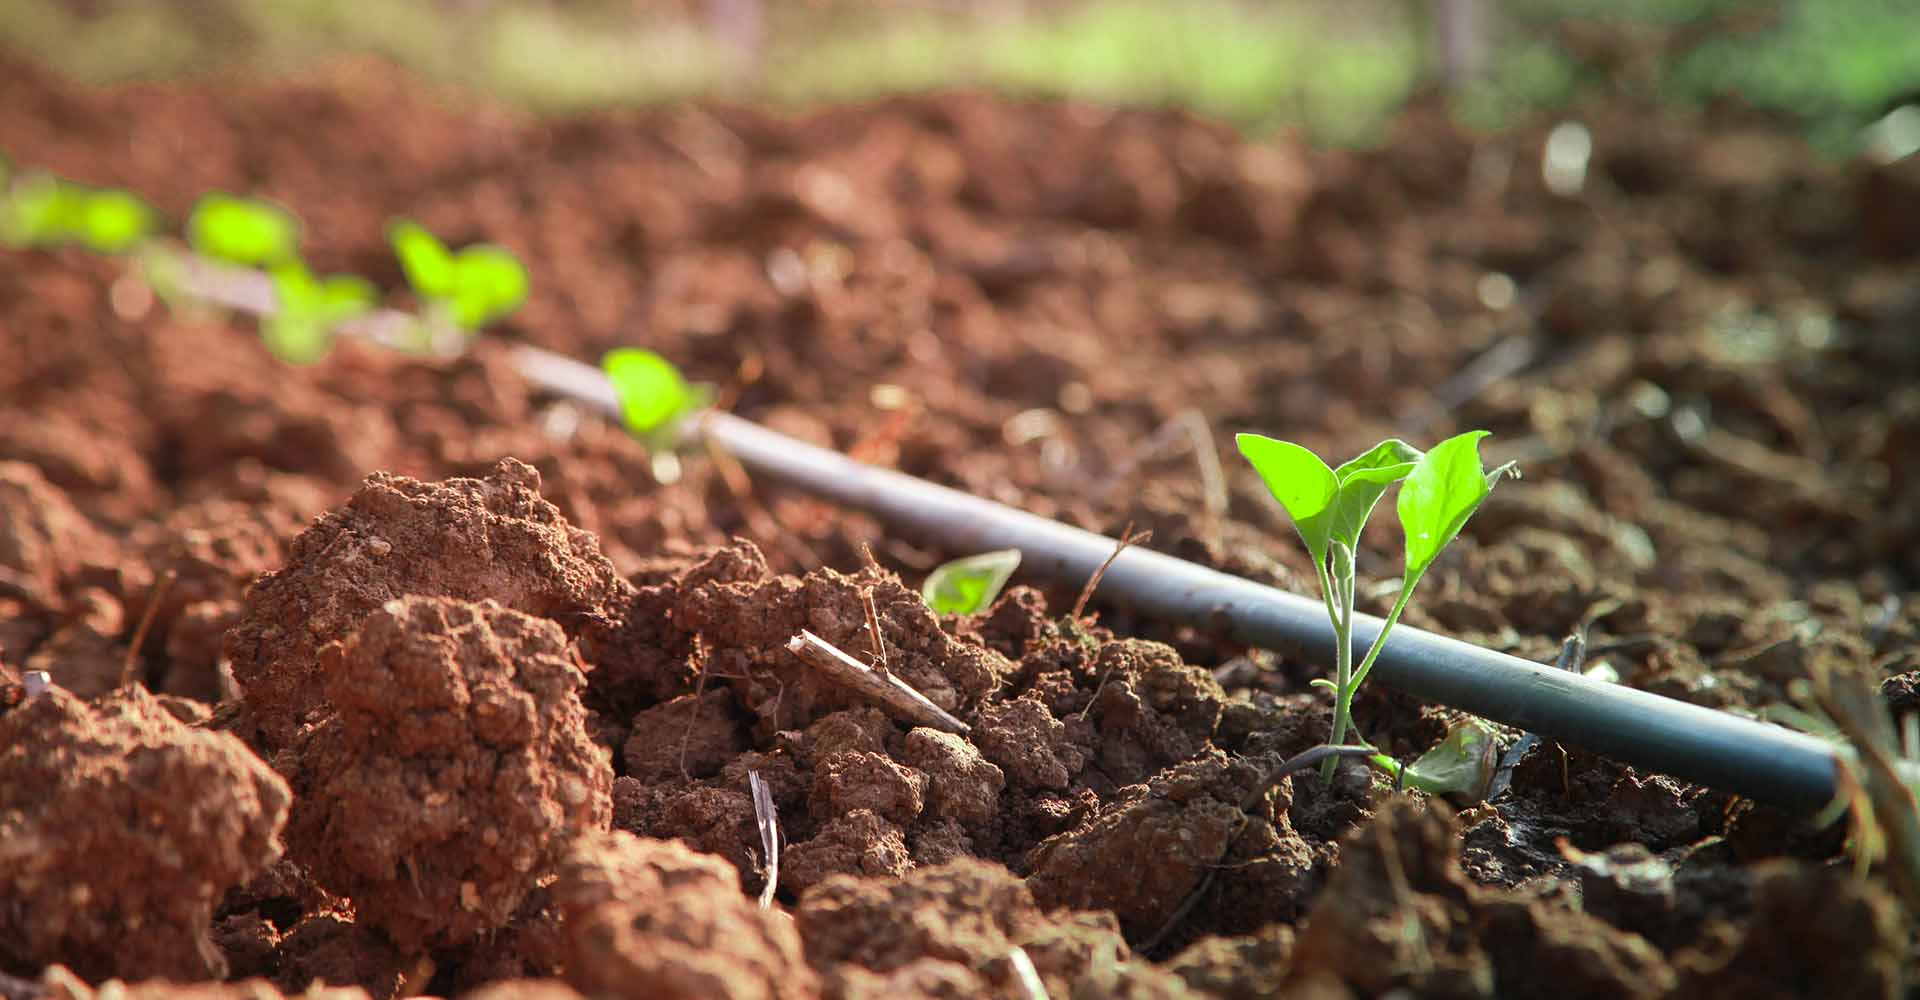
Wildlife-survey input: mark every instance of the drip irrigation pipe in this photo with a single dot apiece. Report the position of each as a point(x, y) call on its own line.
point(1758, 760)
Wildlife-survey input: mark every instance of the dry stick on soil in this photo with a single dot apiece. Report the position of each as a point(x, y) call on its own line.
point(873, 629)
point(693, 707)
point(1127, 538)
point(768, 820)
point(887, 689)
point(146, 622)
point(1026, 975)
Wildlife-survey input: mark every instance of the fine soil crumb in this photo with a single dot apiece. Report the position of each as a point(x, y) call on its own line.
point(1168, 835)
point(455, 771)
point(1238, 968)
point(947, 930)
point(59, 983)
point(45, 543)
point(120, 828)
point(1815, 931)
point(652, 919)
point(197, 562)
point(470, 539)
point(692, 736)
point(857, 843)
point(745, 626)
point(1398, 912)
point(961, 785)
point(332, 949)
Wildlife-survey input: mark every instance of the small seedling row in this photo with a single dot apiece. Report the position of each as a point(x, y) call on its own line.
point(242, 254)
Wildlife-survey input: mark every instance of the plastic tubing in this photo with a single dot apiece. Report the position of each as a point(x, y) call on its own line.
point(1754, 759)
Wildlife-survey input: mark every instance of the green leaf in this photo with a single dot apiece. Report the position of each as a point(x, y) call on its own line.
point(1362, 481)
point(42, 210)
point(967, 585)
point(1300, 481)
point(296, 338)
point(295, 292)
point(1463, 763)
point(489, 283)
point(651, 391)
point(245, 231)
point(302, 301)
point(344, 296)
point(424, 259)
point(1444, 489)
point(113, 221)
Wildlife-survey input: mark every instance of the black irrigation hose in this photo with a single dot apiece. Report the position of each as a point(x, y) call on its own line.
point(1763, 762)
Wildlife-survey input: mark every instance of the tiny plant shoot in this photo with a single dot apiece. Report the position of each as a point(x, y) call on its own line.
point(43, 210)
point(1329, 508)
point(654, 396)
point(307, 310)
point(470, 289)
point(967, 585)
point(248, 232)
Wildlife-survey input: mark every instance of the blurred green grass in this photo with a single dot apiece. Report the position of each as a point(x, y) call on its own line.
point(1335, 69)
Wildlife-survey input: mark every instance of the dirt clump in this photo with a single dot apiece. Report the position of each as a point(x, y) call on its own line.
point(1398, 912)
point(951, 927)
point(692, 736)
point(196, 561)
point(1171, 833)
point(745, 624)
point(59, 983)
point(469, 539)
point(961, 785)
point(45, 544)
point(653, 919)
point(454, 771)
point(120, 828)
point(1814, 931)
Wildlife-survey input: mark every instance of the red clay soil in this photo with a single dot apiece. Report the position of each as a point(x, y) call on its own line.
point(454, 698)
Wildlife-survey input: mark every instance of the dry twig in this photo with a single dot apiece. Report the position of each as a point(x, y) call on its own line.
point(158, 594)
point(1127, 538)
point(768, 820)
point(886, 688)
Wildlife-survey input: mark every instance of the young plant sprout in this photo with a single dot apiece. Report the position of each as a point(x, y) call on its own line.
point(470, 289)
point(967, 585)
point(244, 231)
point(654, 396)
point(307, 309)
point(43, 210)
point(1329, 508)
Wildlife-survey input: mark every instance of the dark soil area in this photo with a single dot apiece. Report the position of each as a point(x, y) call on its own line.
point(450, 696)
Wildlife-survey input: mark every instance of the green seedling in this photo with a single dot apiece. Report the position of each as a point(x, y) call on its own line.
point(244, 231)
point(1463, 764)
point(967, 585)
point(654, 397)
point(470, 289)
point(44, 210)
point(1329, 508)
point(307, 310)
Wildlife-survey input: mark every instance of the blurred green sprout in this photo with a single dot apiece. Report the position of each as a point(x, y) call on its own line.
point(478, 285)
point(249, 232)
point(971, 584)
point(308, 309)
point(654, 397)
point(43, 210)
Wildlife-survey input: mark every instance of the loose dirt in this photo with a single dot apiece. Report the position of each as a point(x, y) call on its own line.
point(455, 698)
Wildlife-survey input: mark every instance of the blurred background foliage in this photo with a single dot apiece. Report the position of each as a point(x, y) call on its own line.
point(1336, 68)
